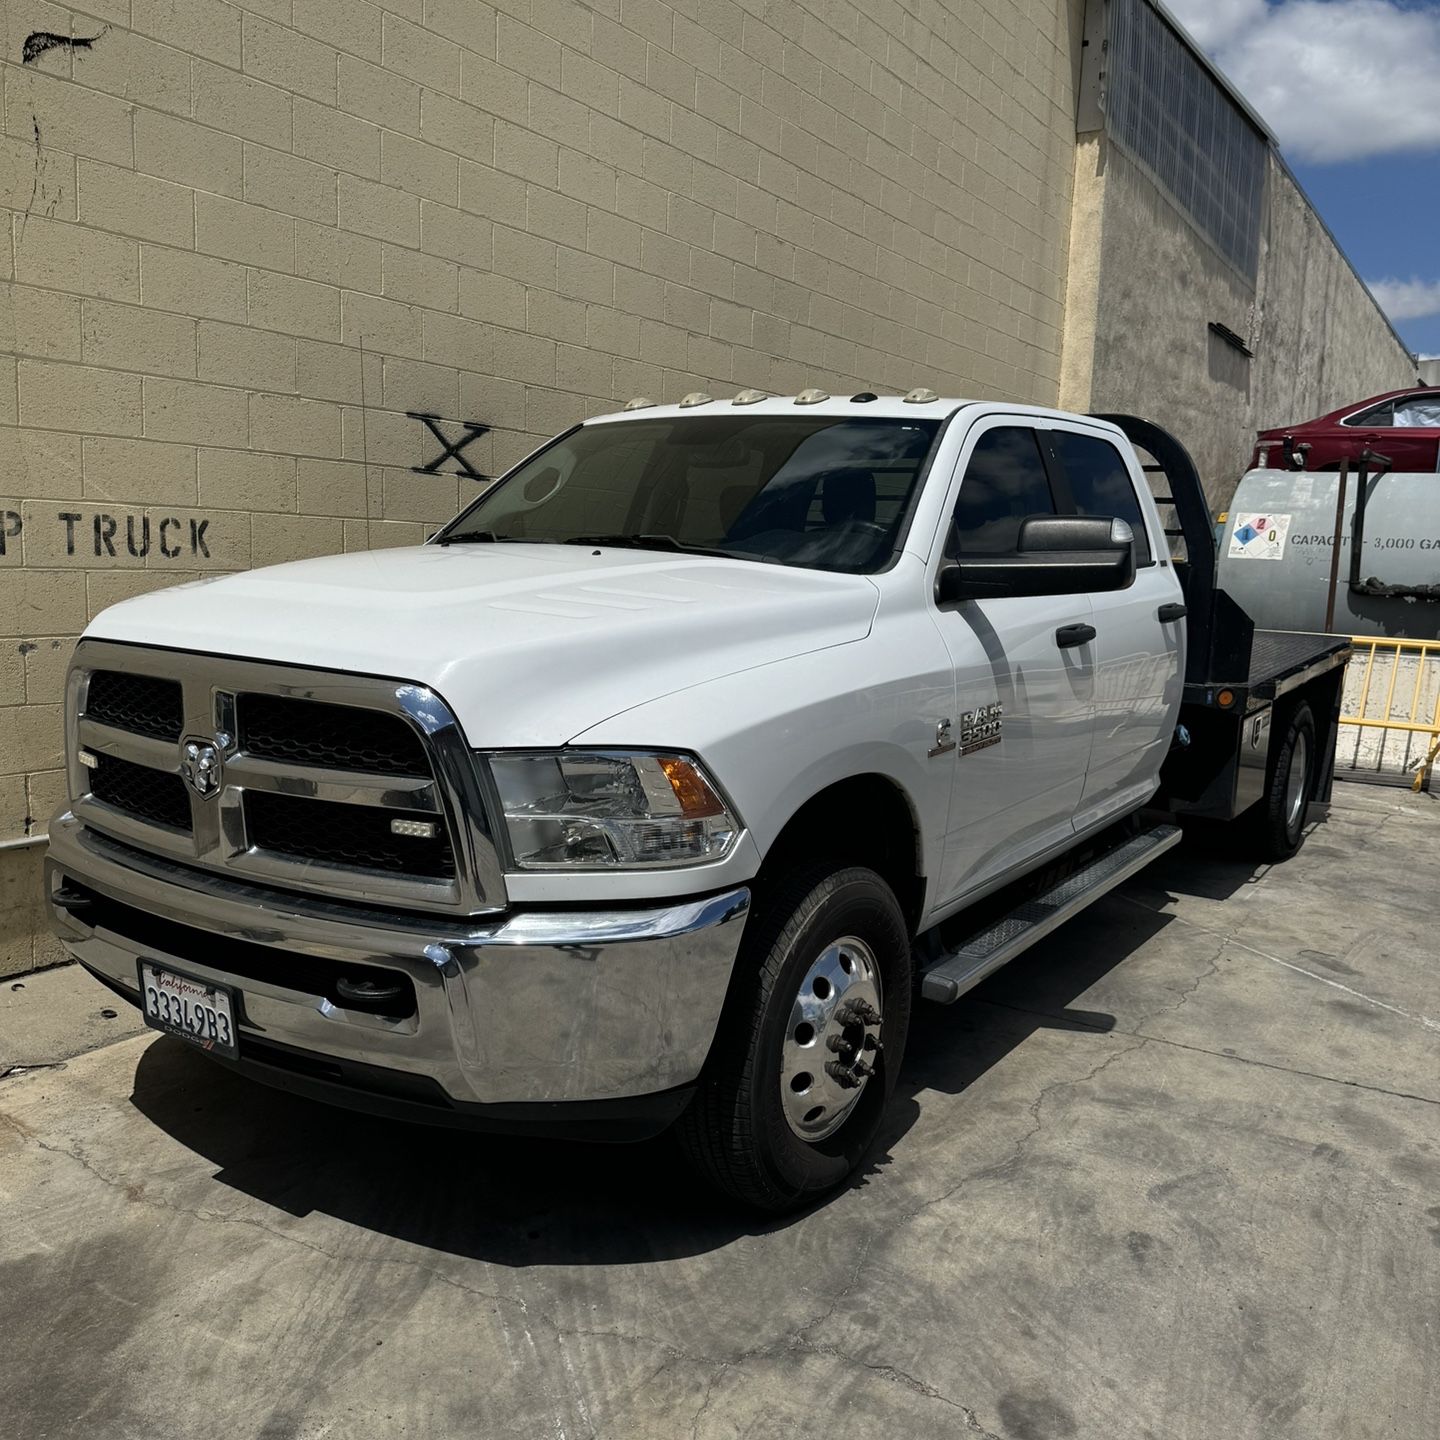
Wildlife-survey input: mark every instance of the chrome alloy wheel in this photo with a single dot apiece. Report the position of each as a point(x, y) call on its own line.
point(833, 1040)
point(1297, 780)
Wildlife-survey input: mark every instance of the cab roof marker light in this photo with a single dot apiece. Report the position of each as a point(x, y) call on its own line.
point(921, 396)
point(749, 397)
point(695, 397)
point(640, 402)
point(811, 397)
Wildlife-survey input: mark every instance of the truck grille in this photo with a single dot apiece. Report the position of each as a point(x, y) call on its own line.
point(313, 769)
point(331, 834)
point(141, 704)
point(333, 737)
point(148, 795)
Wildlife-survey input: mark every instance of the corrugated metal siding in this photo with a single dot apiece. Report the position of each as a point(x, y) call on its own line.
point(1166, 109)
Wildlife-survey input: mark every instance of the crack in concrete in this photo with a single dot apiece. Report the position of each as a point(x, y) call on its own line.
point(24, 1067)
point(793, 1344)
point(1424, 1021)
point(910, 1382)
point(1189, 990)
point(1291, 1070)
point(1037, 1121)
point(705, 1400)
point(136, 1194)
point(1216, 1054)
point(798, 1338)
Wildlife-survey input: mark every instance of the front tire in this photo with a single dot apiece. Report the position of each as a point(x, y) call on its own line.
point(1289, 784)
point(807, 1052)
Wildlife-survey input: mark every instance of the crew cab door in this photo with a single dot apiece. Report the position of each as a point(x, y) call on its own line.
point(1137, 656)
point(1017, 775)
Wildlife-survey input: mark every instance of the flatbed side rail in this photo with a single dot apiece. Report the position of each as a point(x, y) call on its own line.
point(1393, 689)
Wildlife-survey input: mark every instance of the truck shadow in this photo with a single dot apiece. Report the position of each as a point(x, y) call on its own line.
point(1205, 866)
point(951, 1047)
point(519, 1202)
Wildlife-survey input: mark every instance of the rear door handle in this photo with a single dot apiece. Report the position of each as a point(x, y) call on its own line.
point(1174, 611)
point(1068, 636)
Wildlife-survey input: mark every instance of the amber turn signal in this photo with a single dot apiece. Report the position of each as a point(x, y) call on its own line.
point(697, 799)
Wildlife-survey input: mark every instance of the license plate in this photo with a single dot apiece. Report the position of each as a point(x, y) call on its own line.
point(202, 1014)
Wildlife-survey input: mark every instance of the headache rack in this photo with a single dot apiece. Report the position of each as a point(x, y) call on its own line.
point(1235, 675)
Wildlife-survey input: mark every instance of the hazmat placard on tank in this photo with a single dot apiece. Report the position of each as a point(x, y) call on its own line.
point(1259, 537)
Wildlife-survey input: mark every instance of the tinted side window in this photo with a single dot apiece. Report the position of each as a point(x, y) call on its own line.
point(1100, 483)
point(1004, 483)
point(1384, 415)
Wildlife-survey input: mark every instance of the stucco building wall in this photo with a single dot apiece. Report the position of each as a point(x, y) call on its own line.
point(245, 243)
point(1146, 287)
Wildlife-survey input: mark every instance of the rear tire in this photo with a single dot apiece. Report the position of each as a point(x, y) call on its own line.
point(1279, 818)
point(824, 970)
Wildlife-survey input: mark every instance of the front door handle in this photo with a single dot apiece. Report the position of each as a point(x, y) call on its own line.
point(1068, 636)
point(1174, 611)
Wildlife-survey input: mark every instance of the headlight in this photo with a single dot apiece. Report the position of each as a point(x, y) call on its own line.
point(586, 810)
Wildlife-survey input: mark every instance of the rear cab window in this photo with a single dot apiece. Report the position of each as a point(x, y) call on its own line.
point(1016, 471)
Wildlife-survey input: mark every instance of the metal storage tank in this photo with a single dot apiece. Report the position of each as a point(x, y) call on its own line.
point(1279, 538)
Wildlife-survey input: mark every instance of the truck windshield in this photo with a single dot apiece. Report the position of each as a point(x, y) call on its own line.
point(817, 492)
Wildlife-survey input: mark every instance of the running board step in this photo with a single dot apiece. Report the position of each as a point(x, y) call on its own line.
point(984, 953)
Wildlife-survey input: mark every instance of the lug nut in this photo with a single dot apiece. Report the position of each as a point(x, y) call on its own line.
point(844, 1077)
point(862, 1011)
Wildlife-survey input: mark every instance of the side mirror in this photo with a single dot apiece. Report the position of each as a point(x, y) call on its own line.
point(1054, 555)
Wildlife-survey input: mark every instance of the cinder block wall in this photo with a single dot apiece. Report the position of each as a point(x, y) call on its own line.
point(246, 242)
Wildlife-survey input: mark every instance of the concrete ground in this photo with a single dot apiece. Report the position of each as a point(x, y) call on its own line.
point(1176, 1173)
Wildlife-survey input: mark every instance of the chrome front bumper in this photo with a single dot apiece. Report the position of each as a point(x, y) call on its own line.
point(532, 1007)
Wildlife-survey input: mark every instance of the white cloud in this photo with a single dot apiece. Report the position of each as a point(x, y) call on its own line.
point(1335, 79)
point(1215, 22)
point(1407, 299)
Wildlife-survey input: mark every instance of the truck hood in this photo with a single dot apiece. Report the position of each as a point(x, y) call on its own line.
point(528, 644)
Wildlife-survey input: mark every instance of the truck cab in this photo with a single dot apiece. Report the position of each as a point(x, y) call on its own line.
point(655, 786)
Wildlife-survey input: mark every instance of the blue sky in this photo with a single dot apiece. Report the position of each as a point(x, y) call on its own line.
point(1351, 89)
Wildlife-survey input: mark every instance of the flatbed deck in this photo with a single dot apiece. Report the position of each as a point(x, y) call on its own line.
point(1280, 661)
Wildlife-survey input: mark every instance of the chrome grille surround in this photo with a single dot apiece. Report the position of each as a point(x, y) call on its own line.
point(219, 841)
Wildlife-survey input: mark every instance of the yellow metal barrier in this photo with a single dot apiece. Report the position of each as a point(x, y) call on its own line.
point(1424, 655)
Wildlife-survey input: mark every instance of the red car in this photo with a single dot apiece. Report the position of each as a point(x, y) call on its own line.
point(1403, 425)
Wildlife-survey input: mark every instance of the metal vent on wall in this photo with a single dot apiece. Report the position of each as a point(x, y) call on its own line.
point(1171, 114)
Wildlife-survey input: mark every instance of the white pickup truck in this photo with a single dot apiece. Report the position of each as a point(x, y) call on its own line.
point(656, 785)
